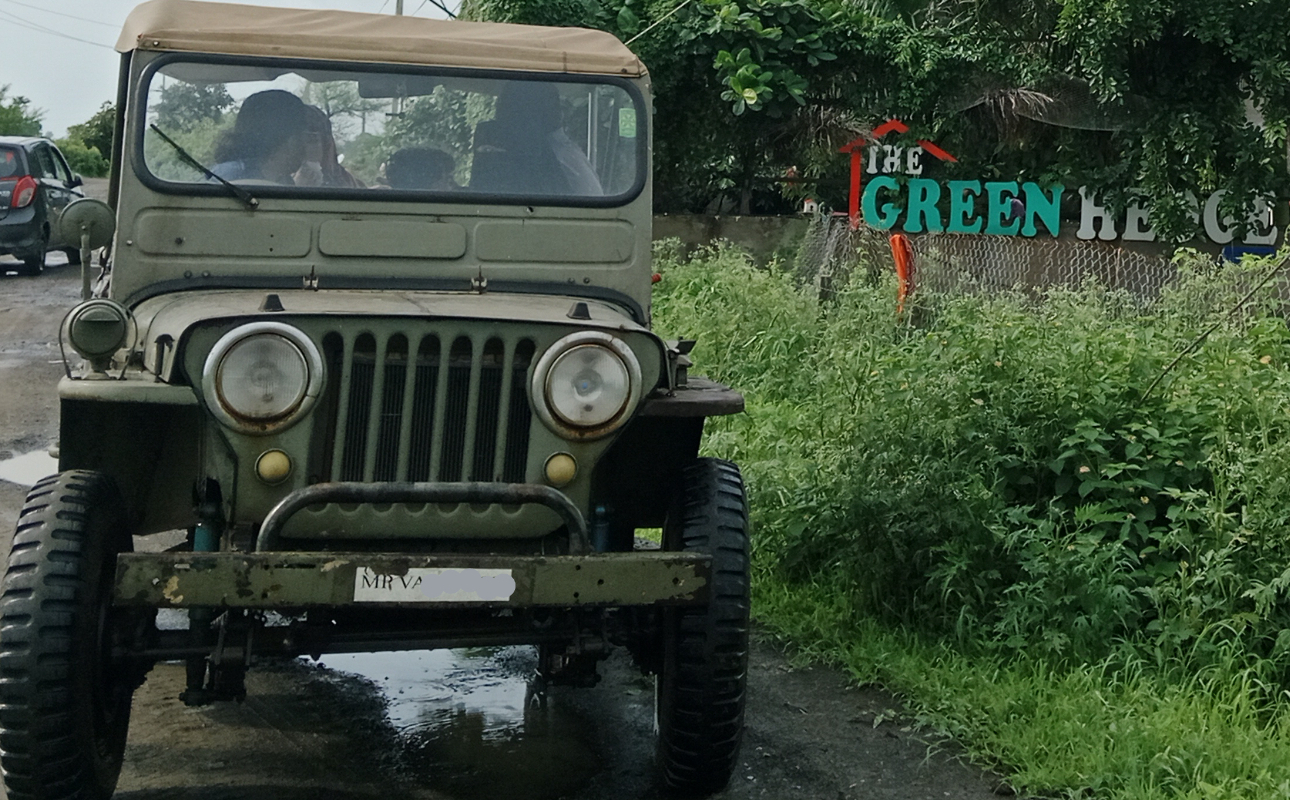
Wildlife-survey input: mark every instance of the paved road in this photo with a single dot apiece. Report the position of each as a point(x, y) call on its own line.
point(450, 724)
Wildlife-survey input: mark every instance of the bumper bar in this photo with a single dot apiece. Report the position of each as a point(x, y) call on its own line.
point(491, 493)
point(293, 580)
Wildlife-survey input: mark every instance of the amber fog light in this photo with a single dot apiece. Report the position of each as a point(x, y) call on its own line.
point(561, 469)
point(273, 466)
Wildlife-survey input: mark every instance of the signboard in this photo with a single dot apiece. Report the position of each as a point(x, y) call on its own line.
point(894, 196)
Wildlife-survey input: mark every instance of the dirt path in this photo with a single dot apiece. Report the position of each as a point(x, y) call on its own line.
point(453, 724)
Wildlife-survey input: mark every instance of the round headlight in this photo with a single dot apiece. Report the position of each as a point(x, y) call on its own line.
point(586, 384)
point(262, 375)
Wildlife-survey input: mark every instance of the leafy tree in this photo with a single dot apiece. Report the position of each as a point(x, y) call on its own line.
point(1171, 99)
point(96, 132)
point(17, 117)
point(342, 103)
point(185, 106)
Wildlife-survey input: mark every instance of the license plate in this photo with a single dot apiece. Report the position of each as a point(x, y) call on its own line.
point(434, 585)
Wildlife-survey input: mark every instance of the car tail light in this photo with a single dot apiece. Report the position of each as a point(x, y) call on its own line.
point(24, 192)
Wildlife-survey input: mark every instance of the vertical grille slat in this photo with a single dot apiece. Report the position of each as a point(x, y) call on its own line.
point(407, 415)
point(483, 447)
point(457, 410)
point(424, 406)
point(440, 409)
point(362, 372)
point(515, 456)
point(496, 465)
point(374, 409)
point(390, 424)
point(426, 386)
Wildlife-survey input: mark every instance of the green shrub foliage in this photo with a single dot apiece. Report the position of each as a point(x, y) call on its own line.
point(992, 468)
point(84, 160)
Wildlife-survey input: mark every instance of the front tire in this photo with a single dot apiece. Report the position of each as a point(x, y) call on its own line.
point(699, 700)
point(64, 702)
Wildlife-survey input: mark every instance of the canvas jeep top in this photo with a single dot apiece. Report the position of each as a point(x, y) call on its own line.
point(374, 331)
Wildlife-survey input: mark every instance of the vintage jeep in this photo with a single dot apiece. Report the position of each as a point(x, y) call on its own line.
point(375, 331)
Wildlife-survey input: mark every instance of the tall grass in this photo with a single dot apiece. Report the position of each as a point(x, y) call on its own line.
point(979, 505)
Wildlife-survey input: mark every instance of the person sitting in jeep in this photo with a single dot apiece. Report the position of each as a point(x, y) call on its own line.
point(267, 141)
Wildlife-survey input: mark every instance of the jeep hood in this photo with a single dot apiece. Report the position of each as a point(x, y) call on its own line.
point(163, 321)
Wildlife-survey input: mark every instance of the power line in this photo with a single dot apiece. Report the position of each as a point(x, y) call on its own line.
point(35, 26)
point(61, 14)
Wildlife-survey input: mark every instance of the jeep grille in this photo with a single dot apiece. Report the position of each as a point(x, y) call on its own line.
point(405, 417)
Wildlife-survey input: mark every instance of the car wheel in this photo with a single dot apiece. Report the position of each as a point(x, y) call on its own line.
point(699, 695)
point(64, 701)
point(33, 263)
point(73, 256)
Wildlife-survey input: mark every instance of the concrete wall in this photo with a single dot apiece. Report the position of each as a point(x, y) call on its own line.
point(764, 237)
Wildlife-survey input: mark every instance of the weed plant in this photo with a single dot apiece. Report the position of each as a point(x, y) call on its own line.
point(990, 473)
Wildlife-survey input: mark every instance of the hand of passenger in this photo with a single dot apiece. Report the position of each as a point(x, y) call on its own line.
point(309, 174)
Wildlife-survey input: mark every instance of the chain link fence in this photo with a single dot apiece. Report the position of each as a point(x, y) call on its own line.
point(832, 253)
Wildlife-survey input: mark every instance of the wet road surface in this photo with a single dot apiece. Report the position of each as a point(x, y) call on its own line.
point(449, 724)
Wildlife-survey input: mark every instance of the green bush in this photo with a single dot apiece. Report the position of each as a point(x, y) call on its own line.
point(84, 160)
point(997, 472)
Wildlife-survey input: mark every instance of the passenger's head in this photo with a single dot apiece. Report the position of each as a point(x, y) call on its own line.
point(270, 129)
point(420, 168)
point(319, 125)
point(532, 106)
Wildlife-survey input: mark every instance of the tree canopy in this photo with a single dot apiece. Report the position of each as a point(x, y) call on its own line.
point(96, 132)
point(17, 117)
point(1174, 99)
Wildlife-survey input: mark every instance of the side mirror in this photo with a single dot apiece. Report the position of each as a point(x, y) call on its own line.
point(91, 223)
point(76, 180)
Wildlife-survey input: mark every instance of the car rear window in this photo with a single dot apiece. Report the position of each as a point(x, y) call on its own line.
point(10, 163)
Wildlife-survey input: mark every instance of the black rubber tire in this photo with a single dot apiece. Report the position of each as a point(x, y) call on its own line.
point(33, 263)
point(64, 706)
point(699, 696)
point(73, 256)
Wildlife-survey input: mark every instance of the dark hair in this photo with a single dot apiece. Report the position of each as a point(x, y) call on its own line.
point(265, 121)
point(418, 168)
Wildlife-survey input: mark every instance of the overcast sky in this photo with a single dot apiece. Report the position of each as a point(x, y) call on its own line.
point(61, 53)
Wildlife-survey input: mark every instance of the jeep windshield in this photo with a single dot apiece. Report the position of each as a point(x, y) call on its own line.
point(397, 133)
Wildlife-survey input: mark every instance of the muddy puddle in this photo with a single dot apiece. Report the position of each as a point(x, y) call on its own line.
point(28, 468)
point(467, 723)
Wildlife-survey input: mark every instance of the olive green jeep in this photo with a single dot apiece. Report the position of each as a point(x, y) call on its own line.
point(374, 330)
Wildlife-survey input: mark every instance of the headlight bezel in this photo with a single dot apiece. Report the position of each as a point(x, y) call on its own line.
point(540, 394)
point(211, 370)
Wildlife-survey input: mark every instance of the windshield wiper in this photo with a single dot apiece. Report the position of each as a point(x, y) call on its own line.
point(241, 194)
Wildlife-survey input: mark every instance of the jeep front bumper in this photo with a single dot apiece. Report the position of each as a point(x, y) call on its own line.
point(290, 580)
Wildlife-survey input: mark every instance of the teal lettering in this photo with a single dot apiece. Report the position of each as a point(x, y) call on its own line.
point(923, 196)
point(963, 216)
point(1043, 207)
point(999, 208)
point(889, 212)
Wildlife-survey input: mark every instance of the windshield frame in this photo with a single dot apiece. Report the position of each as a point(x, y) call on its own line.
point(139, 124)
